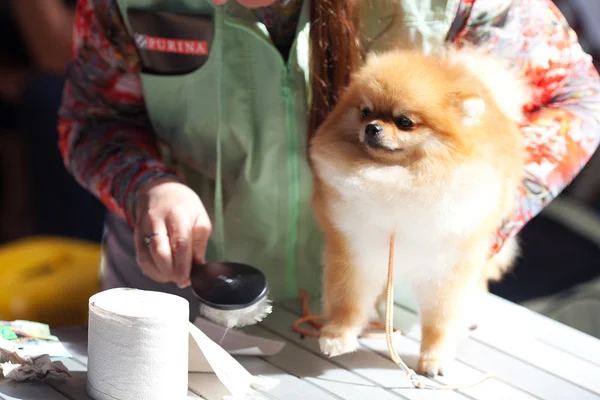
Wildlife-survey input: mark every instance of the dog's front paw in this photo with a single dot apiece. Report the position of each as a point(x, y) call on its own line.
point(433, 365)
point(335, 341)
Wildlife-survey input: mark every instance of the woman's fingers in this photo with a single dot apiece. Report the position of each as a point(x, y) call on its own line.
point(172, 246)
point(180, 234)
point(144, 259)
point(200, 236)
point(154, 228)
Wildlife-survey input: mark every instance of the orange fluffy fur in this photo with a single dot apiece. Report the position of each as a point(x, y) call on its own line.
point(440, 168)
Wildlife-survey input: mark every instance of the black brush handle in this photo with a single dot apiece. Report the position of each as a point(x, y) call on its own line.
point(228, 285)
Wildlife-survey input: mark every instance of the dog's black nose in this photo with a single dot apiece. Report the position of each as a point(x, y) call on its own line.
point(372, 130)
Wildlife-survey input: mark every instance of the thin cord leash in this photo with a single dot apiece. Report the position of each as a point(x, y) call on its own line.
point(313, 320)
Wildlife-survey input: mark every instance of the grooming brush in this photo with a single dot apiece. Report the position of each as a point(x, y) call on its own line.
point(231, 294)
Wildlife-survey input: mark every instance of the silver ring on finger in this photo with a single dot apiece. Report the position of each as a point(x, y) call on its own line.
point(148, 238)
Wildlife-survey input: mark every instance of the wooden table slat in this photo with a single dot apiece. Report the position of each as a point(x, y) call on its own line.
point(515, 351)
point(323, 373)
point(552, 333)
point(510, 360)
point(29, 391)
point(520, 374)
point(365, 362)
point(460, 374)
point(288, 386)
point(526, 324)
point(409, 349)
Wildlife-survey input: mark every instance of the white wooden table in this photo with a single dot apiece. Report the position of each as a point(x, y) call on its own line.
point(530, 356)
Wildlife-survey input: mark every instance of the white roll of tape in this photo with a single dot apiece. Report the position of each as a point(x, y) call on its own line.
point(137, 345)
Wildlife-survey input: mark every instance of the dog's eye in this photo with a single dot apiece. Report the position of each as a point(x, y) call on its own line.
point(404, 123)
point(366, 112)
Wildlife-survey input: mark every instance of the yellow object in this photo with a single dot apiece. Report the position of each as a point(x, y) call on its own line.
point(48, 279)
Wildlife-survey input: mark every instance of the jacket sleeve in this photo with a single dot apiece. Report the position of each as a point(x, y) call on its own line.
point(562, 130)
point(105, 137)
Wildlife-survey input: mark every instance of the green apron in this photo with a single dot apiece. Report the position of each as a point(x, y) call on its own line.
point(237, 128)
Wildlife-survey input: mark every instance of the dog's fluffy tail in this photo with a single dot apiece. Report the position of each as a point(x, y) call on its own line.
point(503, 261)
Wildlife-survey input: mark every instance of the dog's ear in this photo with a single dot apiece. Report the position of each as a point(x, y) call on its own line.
point(470, 107)
point(472, 110)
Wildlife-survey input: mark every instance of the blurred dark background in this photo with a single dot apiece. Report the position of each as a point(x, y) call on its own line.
point(37, 195)
point(561, 247)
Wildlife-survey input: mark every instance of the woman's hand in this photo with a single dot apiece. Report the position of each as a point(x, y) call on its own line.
point(171, 216)
point(248, 3)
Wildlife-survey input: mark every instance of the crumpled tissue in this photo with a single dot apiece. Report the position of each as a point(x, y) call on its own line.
point(17, 368)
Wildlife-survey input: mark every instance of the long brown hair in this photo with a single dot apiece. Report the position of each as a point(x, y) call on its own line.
point(335, 52)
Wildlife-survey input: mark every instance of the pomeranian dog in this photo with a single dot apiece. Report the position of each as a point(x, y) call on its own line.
point(428, 147)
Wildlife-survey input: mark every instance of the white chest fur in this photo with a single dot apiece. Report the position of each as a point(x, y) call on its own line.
point(430, 224)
